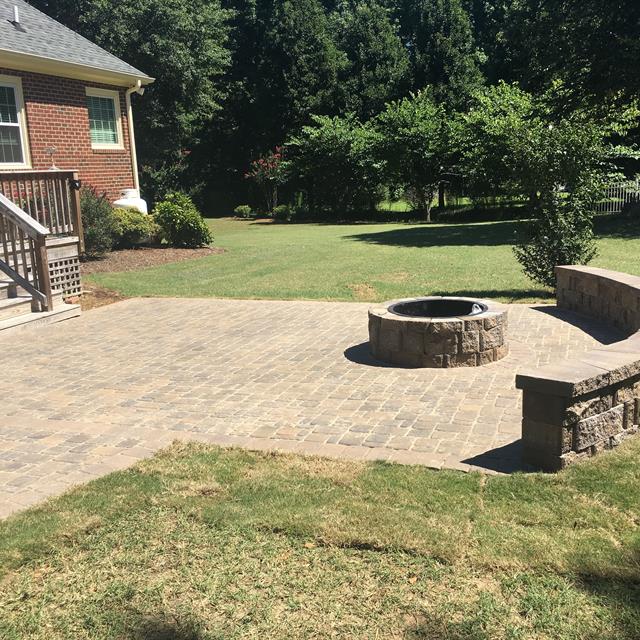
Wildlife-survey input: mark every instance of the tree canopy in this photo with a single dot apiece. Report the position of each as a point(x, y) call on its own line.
point(236, 78)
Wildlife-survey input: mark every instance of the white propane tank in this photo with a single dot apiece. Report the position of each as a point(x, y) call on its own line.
point(130, 199)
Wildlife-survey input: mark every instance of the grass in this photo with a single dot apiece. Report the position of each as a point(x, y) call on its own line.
point(366, 262)
point(201, 543)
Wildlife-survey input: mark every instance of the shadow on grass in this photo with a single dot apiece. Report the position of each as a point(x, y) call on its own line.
point(617, 227)
point(163, 628)
point(485, 234)
point(603, 333)
point(620, 593)
point(512, 295)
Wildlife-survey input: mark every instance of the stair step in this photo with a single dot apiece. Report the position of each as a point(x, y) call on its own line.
point(12, 307)
point(9, 289)
point(33, 320)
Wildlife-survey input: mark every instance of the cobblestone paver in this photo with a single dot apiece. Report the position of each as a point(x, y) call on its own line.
point(96, 394)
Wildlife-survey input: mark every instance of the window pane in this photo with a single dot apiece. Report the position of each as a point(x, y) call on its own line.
point(10, 147)
point(8, 110)
point(102, 120)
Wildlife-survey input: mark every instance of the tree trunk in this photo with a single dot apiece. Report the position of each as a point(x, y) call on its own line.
point(442, 203)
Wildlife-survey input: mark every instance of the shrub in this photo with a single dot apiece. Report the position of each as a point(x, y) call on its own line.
point(181, 223)
point(99, 223)
point(243, 211)
point(563, 234)
point(282, 213)
point(134, 227)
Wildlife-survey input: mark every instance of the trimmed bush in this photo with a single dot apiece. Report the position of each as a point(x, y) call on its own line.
point(134, 227)
point(243, 211)
point(563, 234)
point(181, 223)
point(282, 213)
point(99, 223)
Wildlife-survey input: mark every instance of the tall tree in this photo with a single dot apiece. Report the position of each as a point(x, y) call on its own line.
point(183, 44)
point(284, 68)
point(414, 145)
point(377, 69)
point(439, 38)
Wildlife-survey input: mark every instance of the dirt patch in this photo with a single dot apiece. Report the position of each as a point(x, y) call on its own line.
point(395, 278)
point(364, 292)
point(94, 296)
point(143, 257)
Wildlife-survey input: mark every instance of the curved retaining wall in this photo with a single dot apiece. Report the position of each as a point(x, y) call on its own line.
point(575, 409)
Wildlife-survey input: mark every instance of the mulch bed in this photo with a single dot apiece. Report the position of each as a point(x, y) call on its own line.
point(142, 257)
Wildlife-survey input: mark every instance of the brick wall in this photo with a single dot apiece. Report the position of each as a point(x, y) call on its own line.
point(57, 116)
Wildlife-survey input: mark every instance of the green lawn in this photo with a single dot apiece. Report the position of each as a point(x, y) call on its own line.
point(202, 543)
point(369, 262)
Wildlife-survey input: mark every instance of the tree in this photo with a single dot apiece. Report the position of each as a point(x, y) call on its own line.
point(284, 67)
point(413, 143)
point(440, 40)
point(332, 161)
point(513, 143)
point(561, 235)
point(183, 44)
point(297, 68)
point(268, 173)
point(377, 70)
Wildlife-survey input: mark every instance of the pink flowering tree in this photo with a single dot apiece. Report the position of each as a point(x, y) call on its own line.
point(268, 174)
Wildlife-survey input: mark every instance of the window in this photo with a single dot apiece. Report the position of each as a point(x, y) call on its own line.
point(13, 134)
point(104, 119)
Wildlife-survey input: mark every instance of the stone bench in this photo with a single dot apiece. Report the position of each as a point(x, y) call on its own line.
point(574, 409)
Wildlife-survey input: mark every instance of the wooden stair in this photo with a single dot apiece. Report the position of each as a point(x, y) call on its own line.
point(16, 308)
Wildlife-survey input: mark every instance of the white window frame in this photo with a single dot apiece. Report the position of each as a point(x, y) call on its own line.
point(115, 97)
point(15, 83)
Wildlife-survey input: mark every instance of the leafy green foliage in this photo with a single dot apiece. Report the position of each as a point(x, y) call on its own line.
point(413, 140)
point(181, 223)
point(561, 235)
point(333, 162)
point(512, 143)
point(98, 221)
point(440, 39)
point(182, 44)
point(134, 227)
point(243, 211)
point(377, 68)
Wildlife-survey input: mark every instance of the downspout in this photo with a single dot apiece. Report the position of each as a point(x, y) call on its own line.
point(132, 138)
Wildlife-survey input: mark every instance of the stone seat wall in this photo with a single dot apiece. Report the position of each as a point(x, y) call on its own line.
point(573, 410)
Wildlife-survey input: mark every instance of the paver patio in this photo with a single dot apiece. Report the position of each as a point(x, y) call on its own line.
point(96, 394)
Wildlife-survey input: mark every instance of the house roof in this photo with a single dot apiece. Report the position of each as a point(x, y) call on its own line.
point(41, 44)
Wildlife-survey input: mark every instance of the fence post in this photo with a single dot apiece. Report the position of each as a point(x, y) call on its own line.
point(76, 209)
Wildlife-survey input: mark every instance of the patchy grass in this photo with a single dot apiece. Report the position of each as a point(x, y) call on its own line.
point(363, 262)
point(204, 543)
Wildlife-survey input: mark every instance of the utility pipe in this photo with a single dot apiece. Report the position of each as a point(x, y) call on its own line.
point(137, 88)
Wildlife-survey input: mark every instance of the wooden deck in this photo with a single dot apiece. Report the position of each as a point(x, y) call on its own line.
point(41, 239)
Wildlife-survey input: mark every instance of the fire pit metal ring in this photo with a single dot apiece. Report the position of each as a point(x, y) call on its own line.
point(438, 332)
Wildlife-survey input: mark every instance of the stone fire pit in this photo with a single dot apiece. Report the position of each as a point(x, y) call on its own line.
point(438, 332)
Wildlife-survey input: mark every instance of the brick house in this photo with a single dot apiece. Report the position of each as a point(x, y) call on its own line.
point(64, 102)
point(65, 120)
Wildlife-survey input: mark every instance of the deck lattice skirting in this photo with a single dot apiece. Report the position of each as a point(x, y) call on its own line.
point(575, 409)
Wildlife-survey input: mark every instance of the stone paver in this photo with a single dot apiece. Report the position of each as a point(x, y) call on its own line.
point(92, 395)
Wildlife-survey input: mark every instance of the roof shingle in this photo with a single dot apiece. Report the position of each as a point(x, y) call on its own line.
point(39, 35)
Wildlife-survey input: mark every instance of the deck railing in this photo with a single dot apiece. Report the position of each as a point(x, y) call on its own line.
point(51, 198)
point(23, 253)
